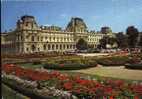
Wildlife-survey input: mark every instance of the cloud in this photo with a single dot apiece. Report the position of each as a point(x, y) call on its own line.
point(47, 25)
point(64, 15)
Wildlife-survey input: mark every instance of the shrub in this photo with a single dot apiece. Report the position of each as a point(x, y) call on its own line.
point(36, 62)
point(134, 66)
point(113, 61)
point(70, 64)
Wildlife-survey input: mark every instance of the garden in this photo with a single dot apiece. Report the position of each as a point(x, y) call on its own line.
point(37, 77)
point(63, 85)
point(70, 63)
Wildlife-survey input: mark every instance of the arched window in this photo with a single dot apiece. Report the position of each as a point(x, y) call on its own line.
point(67, 46)
point(53, 47)
point(57, 46)
point(60, 46)
point(33, 48)
point(70, 46)
point(44, 47)
point(32, 38)
point(64, 46)
point(49, 47)
point(27, 49)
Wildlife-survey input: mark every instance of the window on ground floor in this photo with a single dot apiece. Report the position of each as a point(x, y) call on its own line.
point(53, 47)
point(49, 47)
point(27, 49)
point(60, 46)
point(57, 46)
point(44, 47)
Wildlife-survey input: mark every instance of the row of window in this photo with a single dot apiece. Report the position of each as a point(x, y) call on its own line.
point(53, 47)
point(52, 39)
point(94, 39)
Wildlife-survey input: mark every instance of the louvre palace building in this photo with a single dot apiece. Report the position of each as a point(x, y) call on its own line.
point(29, 37)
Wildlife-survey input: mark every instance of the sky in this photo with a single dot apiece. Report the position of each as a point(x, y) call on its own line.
point(117, 14)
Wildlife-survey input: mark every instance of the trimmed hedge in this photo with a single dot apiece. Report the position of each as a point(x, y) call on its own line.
point(70, 64)
point(113, 61)
point(66, 66)
point(134, 66)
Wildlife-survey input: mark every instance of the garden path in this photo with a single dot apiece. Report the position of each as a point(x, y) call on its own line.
point(115, 72)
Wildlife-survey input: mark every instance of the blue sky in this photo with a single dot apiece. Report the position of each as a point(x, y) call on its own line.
point(117, 14)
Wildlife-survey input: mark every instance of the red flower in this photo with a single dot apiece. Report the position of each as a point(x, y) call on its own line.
point(62, 77)
point(61, 65)
point(92, 90)
point(83, 81)
point(136, 97)
point(108, 90)
point(55, 73)
point(111, 97)
point(67, 85)
point(78, 91)
point(138, 89)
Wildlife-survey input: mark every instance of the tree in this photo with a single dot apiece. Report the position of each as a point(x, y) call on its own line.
point(107, 40)
point(140, 42)
point(103, 42)
point(121, 40)
point(132, 34)
point(82, 44)
point(111, 40)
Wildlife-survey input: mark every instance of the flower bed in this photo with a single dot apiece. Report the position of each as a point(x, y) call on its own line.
point(83, 88)
point(70, 64)
point(36, 55)
point(113, 61)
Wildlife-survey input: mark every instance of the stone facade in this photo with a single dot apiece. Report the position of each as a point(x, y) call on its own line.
point(28, 37)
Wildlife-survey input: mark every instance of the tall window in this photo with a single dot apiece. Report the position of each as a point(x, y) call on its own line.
point(64, 46)
point(67, 46)
point(49, 47)
point(53, 47)
point(33, 47)
point(57, 46)
point(60, 46)
point(44, 47)
point(32, 38)
point(27, 49)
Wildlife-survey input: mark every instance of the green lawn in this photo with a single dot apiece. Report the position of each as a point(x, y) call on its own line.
point(30, 65)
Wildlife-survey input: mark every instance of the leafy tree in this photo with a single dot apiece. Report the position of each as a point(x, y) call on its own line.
point(140, 42)
point(121, 40)
point(132, 34)
point(103, 42)
point(106, 40)
point(111, 40)
point(82, 44)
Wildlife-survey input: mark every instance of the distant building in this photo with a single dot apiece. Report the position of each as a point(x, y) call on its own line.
point(28, 37)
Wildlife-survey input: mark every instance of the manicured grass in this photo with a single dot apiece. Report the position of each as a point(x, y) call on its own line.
point(31, 65)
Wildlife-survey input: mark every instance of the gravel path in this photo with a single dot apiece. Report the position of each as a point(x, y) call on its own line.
point(116, 72)
point(93, 54)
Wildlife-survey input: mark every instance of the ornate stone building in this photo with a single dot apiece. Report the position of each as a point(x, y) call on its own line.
point(28, 37)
